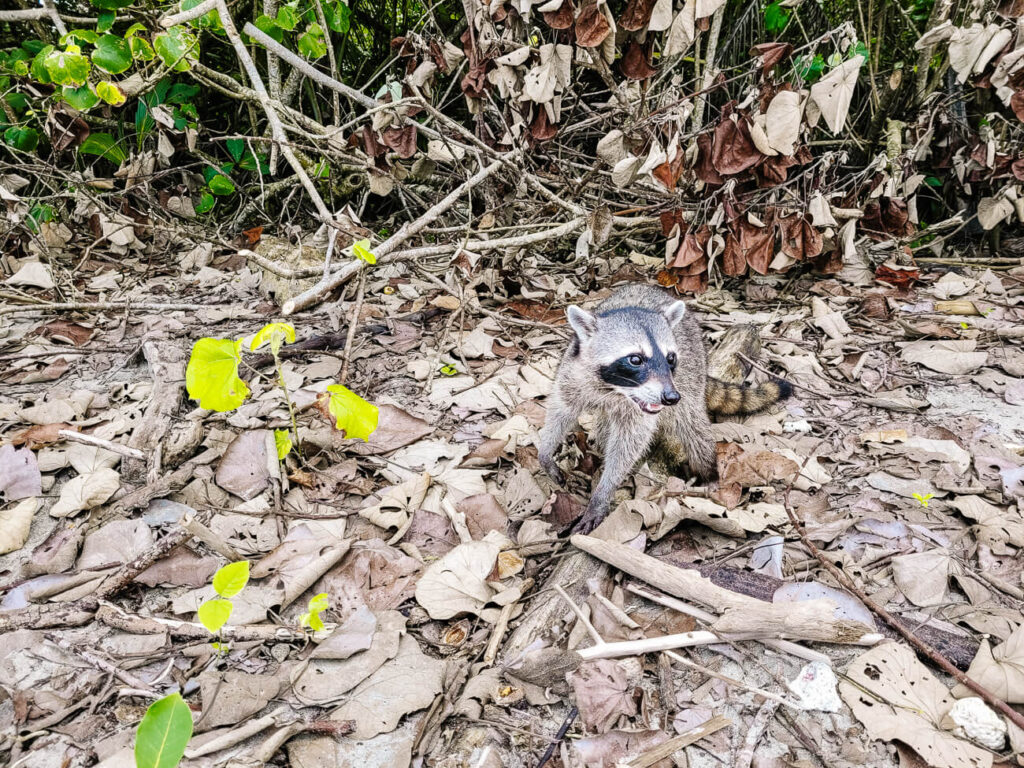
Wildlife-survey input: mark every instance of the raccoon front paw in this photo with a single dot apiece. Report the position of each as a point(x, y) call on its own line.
point(591, 518)
point(551, 470)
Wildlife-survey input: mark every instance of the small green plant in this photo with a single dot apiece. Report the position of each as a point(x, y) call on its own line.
point(449, 370)
point(227, 582)
point(776, 17)
point(311, 618)
point(212, 378)
point(361, 250)
point(163, 734)
point(923, 498)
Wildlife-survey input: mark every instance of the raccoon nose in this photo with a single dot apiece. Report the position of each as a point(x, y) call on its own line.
point(670, 397)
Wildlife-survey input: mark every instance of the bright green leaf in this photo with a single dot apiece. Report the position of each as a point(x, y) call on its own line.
point(212, 375)
point(103, 145)
point(231, 579)
point(339, 16)
point(67, 67)
point(311, 43)
point(133, 30)
point(172, 46)
point(81, 98)
point(111, 5)
point(163, 734)
point(38, 67)
point(269, 27)
point(274, 334)
point(221, 185)
point(105, 20)
point(316, 623)
point(141, 49)
point(318, 602)
point(357, 417)
point(923, 498)
point(221, 648)
point(112, 54)
point(361, 250)
point(24, 139)
point(110, 93)
point(79, 36)
point(206, 202)
point(287, 18)
point(214, 614)
point(235, 148)
point(283, 443)
point(449, 370)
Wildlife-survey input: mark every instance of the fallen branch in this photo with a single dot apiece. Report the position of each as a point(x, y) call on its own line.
point(673, 745)
point(98, 442)
point(385, 251)
point(994, 701)
point(112, 616)
point(104, 306)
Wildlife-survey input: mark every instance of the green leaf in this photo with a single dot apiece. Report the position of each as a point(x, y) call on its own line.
point(133, 30)
point(111, 5)
point(274, 334)
point(24, 139)
point(283, 443)
point(357, 417)
point(287, 18)
point(105, 20)
point(110, 93)
point(38, 67)
point(338, 15)
point(449, 370)
point(269, 26)
point(67, 67)
point(214, 614)
point(141, 49)
point(221, 648)
point(79, 36)
point(163, 734)
point(931, 181)
point(311, 43)
point(104, 145)
point(81, 98)
point(857, 50)
point(235, 148)
point(212, 375)
point(209, 20)
point(775, 18)
point(361, 250)
point(172, 45)
point(316, 623)
point(923, 498)
point(221, 185)
point(318, 602)
point(231, 579)
point(206, 202)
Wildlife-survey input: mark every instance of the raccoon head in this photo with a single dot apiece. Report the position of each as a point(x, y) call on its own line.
point(632, 351)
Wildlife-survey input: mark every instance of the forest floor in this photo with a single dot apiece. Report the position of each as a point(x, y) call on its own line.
point(901, 451)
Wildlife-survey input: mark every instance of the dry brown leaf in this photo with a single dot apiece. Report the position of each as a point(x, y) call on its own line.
point(1000, 670)
point(591, 26)
point(19, 474)
point(456, 583)
point(15, 522)
point(955, 357)
point(602, 693)
point(923, 577)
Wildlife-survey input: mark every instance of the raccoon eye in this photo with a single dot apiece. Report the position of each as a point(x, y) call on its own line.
point(636, 360)
point(671, 358)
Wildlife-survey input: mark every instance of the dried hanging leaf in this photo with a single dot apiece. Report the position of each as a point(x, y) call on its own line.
point(591, 27)
point(993, 211)
point(758, 242)
point(635, 64)
point(611, 147)
point(782, 121)
point(800, 239)
point(733, 150)
point(886, 217)
point(562, 18)
point(625, 171)
point(636, 15)
point(771, 53)
point(734, 263)
point(691, 249)
point(683, 31)
point(707, 7)
point(402, 140)
point(967, 45)
point(834, 92)
point(661, 16)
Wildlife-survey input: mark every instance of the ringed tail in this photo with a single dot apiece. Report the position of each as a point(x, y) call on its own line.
point(726, 399)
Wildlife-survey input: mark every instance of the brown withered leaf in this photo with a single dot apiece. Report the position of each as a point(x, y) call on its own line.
point(705, 167)
point(829, 262)
point(884, 218)
point(1017, 104)
point(41, 435)
point(774, 170)
point(62, 330)
point(758, 243)
point(541, 128)
point(562, 18)
point(636, 61)
point(668, 173)
point(691, 247)
point(637, 15)
point(733, 150)
point(800, 240)
point(402, 140)
point(591, 27)
point(771, 53)
point(669, 219)
point(753, 467)
point(901, 278)
point(371, 146)
point(602, 693)
point(734, 263)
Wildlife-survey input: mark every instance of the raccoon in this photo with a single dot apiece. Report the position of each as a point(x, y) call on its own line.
point(639, 364)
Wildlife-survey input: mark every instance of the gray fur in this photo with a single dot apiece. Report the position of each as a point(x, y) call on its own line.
point(629, 321)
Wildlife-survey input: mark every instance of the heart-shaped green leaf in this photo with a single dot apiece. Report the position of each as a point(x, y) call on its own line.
point(112, 54)
point(110, 93)
point(81, 98)
point(214, 614)
point(173, 45)
point(231, 579)
point(274, 334)
point(357, 417)
point(163, 734)
point(282, 442)
point(212, 375)
point(361, 250)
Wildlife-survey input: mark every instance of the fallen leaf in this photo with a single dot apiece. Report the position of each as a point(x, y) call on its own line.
point(923, 577)
point(954, 357)
point(15, 522)
point(456, 583)
point(602, 693)
point(19, 474)
point(243, 469)
point(897, 698)
point(999, 669)
point(86, 492)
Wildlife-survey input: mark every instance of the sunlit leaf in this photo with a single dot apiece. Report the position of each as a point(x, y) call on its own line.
point(318, 602)
point(67, 67)
point(283, 443)
point(112, 54)
point(214, 614)
point(231, 579)
point(103, 145)
point(274, 334)
point(212, 375)
point(163, 734)
point(172, 46)
point(361, 250)
point(81, 98)
point(357, 417)
point(110, 93)
point(449, 370)
point(311, 42)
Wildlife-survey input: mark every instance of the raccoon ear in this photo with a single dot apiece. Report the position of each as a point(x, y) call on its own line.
point(584, 323)
point(674, 313)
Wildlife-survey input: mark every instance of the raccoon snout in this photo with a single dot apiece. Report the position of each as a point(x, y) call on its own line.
point(669, 397)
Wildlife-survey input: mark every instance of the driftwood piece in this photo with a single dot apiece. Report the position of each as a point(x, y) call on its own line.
point(809, 620)
point(728, 361)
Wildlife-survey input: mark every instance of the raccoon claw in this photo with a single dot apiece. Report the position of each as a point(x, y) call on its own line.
point(588, 522)
point(551, 470)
